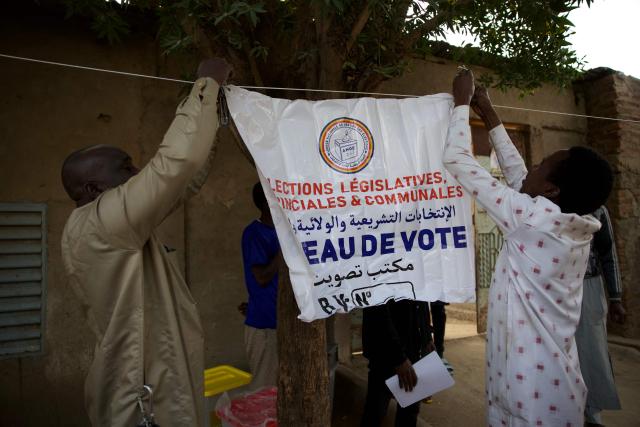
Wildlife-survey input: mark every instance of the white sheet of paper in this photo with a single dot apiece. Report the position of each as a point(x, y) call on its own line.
point(432, 378)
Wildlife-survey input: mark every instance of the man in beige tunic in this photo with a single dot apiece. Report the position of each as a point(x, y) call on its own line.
point(138, 304)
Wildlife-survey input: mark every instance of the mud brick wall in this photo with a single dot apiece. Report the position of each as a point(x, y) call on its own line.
point(613, 94)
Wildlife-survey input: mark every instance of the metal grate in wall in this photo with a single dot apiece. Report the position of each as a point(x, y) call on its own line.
point(488, 247)
point(23, 262)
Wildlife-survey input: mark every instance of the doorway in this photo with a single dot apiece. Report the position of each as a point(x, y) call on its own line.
point(487, 235)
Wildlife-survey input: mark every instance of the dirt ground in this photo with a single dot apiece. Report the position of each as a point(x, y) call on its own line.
point(463, 404)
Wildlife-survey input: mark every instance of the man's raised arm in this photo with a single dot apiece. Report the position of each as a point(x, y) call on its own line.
point(504, 205)
point(131, 211)
point(511, 162)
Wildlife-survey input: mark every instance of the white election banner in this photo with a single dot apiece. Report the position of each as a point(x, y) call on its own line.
point(363, 207)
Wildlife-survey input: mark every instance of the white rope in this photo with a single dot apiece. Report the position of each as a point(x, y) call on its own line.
point(350, 92)
point(81, 67)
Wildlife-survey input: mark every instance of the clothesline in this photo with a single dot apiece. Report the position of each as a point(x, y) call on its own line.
point(349, 92)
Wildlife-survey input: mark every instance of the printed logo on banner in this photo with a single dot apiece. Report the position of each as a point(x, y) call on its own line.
point(346, 145)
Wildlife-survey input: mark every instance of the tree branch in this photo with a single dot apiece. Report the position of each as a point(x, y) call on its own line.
point(430, 25)
point(330, 59)
point(358, 27)
point(374, 80)
point(401, 10)
point(322, 28)
point(199, 37)
point(253, 65)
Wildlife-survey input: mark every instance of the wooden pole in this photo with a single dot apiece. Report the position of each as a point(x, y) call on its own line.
point(303, 378)
point(303, 381)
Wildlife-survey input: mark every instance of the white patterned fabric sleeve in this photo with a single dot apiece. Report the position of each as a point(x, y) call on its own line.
point(504, 205)
point(510, 160)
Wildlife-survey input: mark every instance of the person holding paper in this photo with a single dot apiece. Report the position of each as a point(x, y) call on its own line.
point(533, 374)
point(394, 336)
point(138, 305)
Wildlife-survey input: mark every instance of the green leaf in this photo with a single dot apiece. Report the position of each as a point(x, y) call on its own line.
point(259, 51)
point(110, 26)
point(348, 65)
point(524, 42)
point(235, 40)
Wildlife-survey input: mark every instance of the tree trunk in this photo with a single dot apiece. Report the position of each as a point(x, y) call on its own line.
point(303, 383)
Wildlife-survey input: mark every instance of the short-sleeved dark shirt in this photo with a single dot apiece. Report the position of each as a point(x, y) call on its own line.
point(259, 246)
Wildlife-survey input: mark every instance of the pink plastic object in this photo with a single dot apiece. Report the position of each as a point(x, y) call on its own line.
point(257, 409)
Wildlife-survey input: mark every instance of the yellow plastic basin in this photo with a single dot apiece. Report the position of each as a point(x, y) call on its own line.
point(222, 378)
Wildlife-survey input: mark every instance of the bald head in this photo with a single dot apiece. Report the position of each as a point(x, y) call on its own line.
point(89, 172)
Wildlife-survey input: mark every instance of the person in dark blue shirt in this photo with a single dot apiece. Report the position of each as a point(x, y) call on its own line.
point(261, 256)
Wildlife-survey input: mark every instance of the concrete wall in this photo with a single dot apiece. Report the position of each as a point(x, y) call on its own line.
point(47, 112)
point(612, 94)
point(548, 132)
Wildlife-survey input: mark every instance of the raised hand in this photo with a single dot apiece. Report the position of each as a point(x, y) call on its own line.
point(480, 101)
point(463, 87)
point(482, 106)
point(216, 68)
